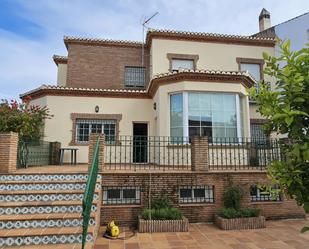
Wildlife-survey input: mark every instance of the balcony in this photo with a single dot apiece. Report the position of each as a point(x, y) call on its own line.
point(128, 153)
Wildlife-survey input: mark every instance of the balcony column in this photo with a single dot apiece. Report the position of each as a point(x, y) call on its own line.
point(199, 154)
point(8, 152)
point(92, 144)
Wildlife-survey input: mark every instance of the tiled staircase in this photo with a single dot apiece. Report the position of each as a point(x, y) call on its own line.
point(37, 210)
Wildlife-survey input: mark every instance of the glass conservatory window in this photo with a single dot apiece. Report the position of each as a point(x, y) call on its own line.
point(216, 115)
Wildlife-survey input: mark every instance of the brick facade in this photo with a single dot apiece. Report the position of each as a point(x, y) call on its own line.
point(168, 184)
point(199, 153)
point(97, 66)
point(8, 152)
point(54, 153)
point(92, 144)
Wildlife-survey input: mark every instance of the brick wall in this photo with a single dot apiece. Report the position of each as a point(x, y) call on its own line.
point(102, 66)
point(92, 144)
point(54, 153)
point(168, 184)
point(199, 153)
point(8, 152)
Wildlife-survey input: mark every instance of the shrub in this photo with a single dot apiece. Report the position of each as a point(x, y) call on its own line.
point(25, 119)
point(232, 197)
point(162, 214)
point(231, 213)
point(306, 207)
point(161, 202)
point(249, 212)
point(228, 213)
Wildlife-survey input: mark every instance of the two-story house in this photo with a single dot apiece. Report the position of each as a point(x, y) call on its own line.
point(152, 101)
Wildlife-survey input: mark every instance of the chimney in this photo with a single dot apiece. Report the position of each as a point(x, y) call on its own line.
point(264, 20)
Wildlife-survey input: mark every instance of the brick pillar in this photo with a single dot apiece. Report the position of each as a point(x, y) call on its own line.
point(8, 152)
point(54, 153)
point(199, 154)
point(92, 143)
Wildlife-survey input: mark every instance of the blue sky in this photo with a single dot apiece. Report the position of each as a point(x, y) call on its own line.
point(31, 31)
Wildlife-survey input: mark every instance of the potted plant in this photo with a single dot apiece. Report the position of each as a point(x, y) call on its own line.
point(161, 217)
point(232, 216)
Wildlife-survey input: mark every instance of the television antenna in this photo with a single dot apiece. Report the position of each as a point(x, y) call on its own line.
point(146, 21)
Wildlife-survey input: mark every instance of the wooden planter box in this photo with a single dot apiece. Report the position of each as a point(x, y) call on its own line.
point(157, 226)
point(240, 223)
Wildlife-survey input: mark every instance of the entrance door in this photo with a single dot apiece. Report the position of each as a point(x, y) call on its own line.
point(140, 150)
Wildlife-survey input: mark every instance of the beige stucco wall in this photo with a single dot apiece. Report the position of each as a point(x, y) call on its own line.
point(62, 74)
point(163, 103)
point(212, 56)
point(59, 128)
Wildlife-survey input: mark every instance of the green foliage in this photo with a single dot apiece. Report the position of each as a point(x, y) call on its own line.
point(25, 119)
point(231, 213)
point(306, 207)
point(232, 197)
point(286, 107)
point(162, 210)
point(161, 202)
point(162, 214)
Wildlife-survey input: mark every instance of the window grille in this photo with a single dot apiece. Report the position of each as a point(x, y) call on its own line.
point(121, 195)
point(134, 77)
point(85, 127)
point(261, 194)
point(196, 194)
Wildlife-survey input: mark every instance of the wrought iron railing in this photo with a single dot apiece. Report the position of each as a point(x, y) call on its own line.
point(33, 152)
point(89, 191)
point(242, 153)
point(174, 153)
point(146, 153)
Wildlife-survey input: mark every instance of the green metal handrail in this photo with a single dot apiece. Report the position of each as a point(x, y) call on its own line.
point(89, 191)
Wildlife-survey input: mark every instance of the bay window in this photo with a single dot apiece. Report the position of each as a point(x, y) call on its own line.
point(215, 115)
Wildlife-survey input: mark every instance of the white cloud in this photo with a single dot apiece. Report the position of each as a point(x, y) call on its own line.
point(26, 63)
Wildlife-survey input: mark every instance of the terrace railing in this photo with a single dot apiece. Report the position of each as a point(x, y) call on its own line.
point(174, 153)
point(142, 152)
point(33, 153)
point(242, 153)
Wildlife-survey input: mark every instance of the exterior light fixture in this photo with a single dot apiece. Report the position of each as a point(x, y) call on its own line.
point(96, 109)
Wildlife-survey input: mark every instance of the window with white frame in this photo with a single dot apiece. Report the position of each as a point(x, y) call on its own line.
point(216, 115)
point(178, 64)
point(121, 195)
point(196, 194)
point(84, 127)
point(262, 194)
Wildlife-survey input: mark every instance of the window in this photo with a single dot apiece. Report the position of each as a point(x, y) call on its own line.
point(176, 115)
point(216, 115)
point(182, 64)
point(196, 194)
point(121, 195)
point(261, 194)
point(254, 70)
point(85, 127)
point(134, 77)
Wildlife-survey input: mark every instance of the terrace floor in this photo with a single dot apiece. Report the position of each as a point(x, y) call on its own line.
point(282, 234)
point(129, 168)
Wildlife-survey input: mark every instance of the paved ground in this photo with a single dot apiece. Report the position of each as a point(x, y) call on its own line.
point(278, 235)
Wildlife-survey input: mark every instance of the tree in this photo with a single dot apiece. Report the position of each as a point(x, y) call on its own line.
point(25, 119)
point(286, 107)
